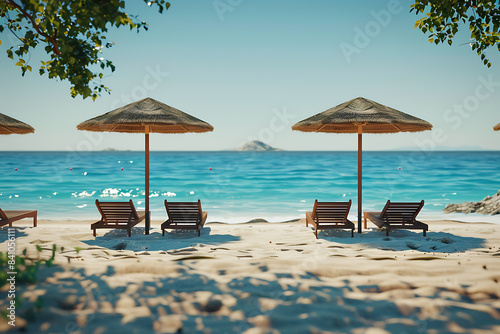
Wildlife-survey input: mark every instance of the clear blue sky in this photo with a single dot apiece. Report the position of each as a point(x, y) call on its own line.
point(240, 68)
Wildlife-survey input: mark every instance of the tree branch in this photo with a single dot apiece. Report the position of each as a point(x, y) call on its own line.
point(51, 39)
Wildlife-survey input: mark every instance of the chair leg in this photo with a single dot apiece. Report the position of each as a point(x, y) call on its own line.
point(316, 232)
point(129, 232)
point(387, 232)
point(352, 233)
point(425, 232)
point(94, 232)
point(163, 232)
point(34, 221)
point(364, 219)
point(199, 232)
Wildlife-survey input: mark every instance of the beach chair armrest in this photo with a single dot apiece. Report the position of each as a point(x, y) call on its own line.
point(309, 219)
point(142, 215)
point(374, 217)
point(350, 223)
point(167, 222)
point(97, 224)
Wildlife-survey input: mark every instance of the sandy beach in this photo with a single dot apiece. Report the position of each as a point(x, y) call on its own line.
point(261, 278)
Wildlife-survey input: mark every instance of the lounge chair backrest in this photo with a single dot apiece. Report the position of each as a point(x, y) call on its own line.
point(3, 216)
point(117, 211)
point(401, 212)
point(184, 211)
point(328, 212)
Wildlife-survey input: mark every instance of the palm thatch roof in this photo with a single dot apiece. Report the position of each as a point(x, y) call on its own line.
point(497, 127)
point(9, 125)
point(133, 118)
point(375, 117)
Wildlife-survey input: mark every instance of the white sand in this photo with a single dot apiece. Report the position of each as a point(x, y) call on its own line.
point(263, 278)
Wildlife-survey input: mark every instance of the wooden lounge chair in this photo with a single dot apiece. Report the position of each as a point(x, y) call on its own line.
point(396, 215)
point(327, 215)
point(184, 216)
point(10, 216)
point(119, 215)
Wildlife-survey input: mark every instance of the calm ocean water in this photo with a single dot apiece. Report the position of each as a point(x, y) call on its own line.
point(241, 186)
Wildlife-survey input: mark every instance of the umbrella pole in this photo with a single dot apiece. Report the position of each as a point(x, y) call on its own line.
point(147, 179)
point(360, 175)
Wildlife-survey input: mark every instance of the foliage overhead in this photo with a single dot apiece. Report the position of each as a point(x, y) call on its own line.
point(442, 19)
point(73, 33)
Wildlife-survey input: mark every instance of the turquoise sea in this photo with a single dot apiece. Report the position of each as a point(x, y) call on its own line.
point(241, 186)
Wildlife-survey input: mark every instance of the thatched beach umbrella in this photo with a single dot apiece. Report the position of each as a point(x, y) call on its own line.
point(360, 116)
point(9, 125)
point(146, 116)
point(497, 127)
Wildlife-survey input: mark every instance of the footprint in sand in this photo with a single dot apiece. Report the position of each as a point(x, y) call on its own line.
point(195, 257)
point(424, 258)
point(125, 256)
point(183, 251)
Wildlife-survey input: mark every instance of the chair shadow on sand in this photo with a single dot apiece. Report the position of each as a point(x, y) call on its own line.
point(402, 240)
point(173, 239)
point(4, 233)
point(87, 303)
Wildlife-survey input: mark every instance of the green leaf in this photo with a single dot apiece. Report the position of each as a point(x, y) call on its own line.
point(68, 31)
point(441, 18)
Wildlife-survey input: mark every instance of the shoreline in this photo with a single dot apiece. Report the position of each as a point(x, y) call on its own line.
point(459, 218)
point(261, 278)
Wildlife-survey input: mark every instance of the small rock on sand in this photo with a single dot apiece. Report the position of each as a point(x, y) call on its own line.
point(412, 245)
point(447, 240)
point(213, 305)
point(120, 246)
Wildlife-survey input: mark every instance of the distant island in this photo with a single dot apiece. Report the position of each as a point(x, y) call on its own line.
point(256, 145)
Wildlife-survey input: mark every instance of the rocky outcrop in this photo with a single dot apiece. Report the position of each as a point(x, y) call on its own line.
point(489, 205)
point(256, 146)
